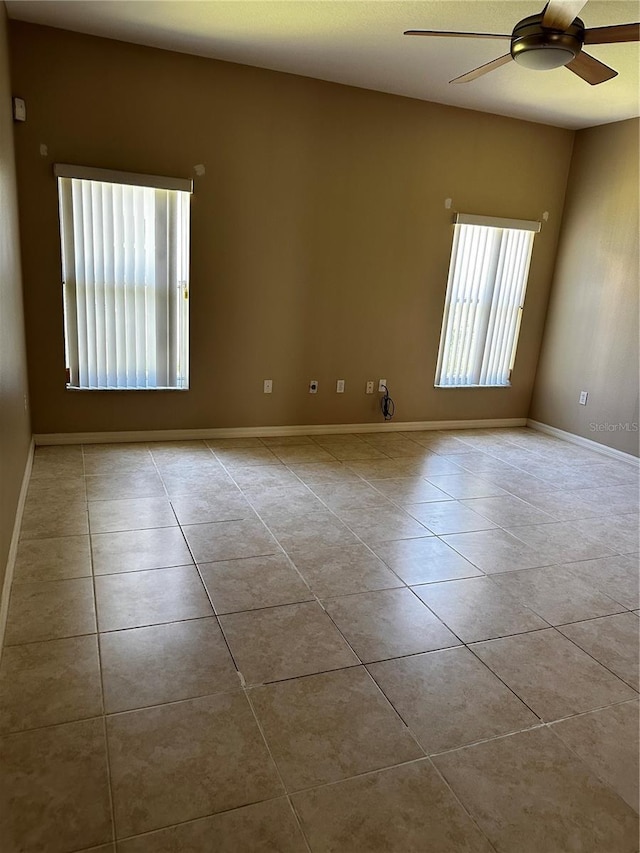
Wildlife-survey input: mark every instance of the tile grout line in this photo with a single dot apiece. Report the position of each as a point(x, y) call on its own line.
point(99, 650)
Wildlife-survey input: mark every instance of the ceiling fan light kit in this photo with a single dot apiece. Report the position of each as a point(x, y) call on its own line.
point(541, 49)
point(551, 39)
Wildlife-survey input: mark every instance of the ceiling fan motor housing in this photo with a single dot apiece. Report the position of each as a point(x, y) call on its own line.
point(541, 48)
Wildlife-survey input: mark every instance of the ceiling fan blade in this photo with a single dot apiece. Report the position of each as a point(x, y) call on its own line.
point(456, 35)
point(482, 69)
point(560, 14)
point(612, 35)
point(590, 69)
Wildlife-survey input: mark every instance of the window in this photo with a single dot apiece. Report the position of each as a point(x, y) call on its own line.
point(485, 294)
point(125, 268)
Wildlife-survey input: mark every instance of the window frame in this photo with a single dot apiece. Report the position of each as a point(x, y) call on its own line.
point(163, 225)
point(501, 250)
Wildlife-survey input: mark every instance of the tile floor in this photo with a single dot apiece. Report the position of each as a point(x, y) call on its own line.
point(421, 641)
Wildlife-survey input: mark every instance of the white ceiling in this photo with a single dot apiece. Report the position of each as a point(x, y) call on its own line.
point(361, 43)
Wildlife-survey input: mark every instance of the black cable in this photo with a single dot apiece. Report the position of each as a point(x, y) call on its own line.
point(387, 405)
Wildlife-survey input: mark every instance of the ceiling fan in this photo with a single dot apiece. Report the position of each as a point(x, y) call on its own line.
point(552, 38)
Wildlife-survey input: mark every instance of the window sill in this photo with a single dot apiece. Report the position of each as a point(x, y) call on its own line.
point(76, 389)
point(458, 387)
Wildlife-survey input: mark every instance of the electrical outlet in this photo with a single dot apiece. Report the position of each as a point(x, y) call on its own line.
point(340, 386)
point(583, 398)
point(369, 389)
point(268, 386)
point(313, 386)
point(382, 385)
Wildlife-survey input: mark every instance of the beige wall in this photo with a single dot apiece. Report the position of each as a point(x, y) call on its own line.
point(591, 338)
point(320, 241)
point(15, 432)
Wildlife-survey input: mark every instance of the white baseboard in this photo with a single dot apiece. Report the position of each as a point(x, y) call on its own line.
point(267, 431)
point(13, 547)
point(588, 443)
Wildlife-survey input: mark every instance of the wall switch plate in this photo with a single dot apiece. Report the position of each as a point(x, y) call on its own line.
point(382, 385)
point(268, 386)
point(19, 109)
point(369, 389)
point(313, 386)
point(340, 386)
point(583, 398)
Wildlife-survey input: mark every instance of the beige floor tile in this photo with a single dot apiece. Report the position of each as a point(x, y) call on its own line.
point(387, 469)
point(563, 806)
point(195, 480)
point(361, 452)
point(267, 826)
point(407, 809)
point(326, 727)
point(395, 446)
point(136, 599)
point(240, 443)
point(266, 476)
point(285, 642)
point(165, 663)
point(556, 594)
point(50, 610)
point(508, 511)
point(229, 540)
point(618, 532)
point(349, 495)
point(324, 472)
point(618, 577)
point(478, 609)
point(409, 490)
point(57, 462)
point(381, 523)
point(563, 542)
point(125, 485)
point(552, 675)
point(46, 519)
point(54, 793)
point(436, 464)
point(131, 514)
point(213, 759)
point(611, 640)
point(446, 517)
point(339, 439)
point(42, 684)
point(57, 489)
point(273, 441)
point(299, 454)
point(137, 550)
point(222, 505)
point(246, 457)
point(607, 742)
point(116, 458)
point(252, 583)
point(308, 530)
point(465, 485)
point(167, 450)
point(496, 551)
point(118, 462)
point(449, 698)
point(424, 560)
point(53, 559)
point(387, 624)
point(282, 502)
point(611, 500)
point(343, 569)
point(563, 504)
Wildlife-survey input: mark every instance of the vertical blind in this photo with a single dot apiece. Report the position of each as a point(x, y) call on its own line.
point(125, 259)
point(485, 294)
